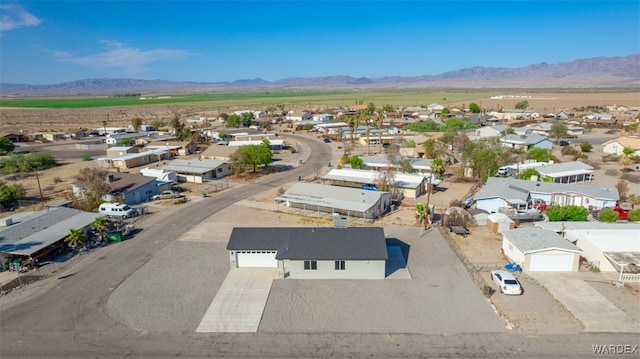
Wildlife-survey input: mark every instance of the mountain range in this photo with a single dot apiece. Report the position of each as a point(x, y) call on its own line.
point(593, 73)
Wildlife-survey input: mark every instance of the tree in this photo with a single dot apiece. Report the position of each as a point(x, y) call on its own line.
point(233, 120)
point(387, 108)
point(608, 215)
point(423, 215)
point(246, 119)
point(484, 158)
point(474, 108)
point(101, 225)
point(437, 167)
point(522, 105)
point(540, 154)
point(356, 163)
point(353, 122)
point(175, 122)
point(528, 173)
point(586, 147)
point(9, 195)
point(136, 122)
point(380, 114)
point(623, 188)
point(75, 238)
point(5, 145)
point(445, 112)
point(93, 182)
point(429, 148)
point(404, 166)
point(567, 213)
point(158, 124)
point(558, 130)
point(634, 215)
point(252, 156)
point(125, 141)
point(627, 152)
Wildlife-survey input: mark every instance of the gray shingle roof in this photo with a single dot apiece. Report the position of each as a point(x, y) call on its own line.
point(313, 243)
point(565, 169)
point(353, 199)
point(193, 166)
point(530, 139)
point(511, 188)
point(529, 240)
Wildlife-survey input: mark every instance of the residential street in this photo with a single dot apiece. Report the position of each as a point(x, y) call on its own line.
point(65, 315)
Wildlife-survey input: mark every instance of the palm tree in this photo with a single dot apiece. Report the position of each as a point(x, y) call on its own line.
point(626, 157)
point(101, 224)
point(422, 214)
point(75, 238)
point(379, 118)
point(365, 117)
point(353, 122)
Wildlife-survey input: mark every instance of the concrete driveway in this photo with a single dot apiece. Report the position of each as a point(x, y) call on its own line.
point(240, 301)
point(596, 312)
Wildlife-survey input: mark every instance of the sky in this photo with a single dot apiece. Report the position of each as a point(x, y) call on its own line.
point(48, 42)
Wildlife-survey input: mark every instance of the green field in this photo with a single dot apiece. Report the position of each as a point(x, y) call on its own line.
point(257, 99)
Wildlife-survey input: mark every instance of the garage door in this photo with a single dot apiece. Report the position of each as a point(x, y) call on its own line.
point(551, 262)
point(257, 259)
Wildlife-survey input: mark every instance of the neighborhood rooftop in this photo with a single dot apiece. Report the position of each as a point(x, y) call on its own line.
point(529, 239)
point(192, 166)
point(355, 199)
point(511, 188)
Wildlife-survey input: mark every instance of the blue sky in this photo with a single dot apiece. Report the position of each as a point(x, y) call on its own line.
point(46, 42)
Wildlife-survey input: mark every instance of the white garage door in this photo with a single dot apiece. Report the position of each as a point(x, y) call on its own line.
point(257, 259)
point(551, 262)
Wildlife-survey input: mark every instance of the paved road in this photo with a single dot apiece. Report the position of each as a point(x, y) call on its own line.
point(65, 317)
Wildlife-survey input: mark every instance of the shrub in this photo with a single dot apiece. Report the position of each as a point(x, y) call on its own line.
point(57, 179)
point(86, 157)
point(634, 215)
point(569, 150)
point(608, 215)
point(567, 213)
point(586, 147)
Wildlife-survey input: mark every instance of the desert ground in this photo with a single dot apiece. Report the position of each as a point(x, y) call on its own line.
point(54, 120)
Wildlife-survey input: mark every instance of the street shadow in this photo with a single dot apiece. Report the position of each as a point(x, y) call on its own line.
point(66, 276)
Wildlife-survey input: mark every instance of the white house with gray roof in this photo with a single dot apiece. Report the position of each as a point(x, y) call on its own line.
point(311, 252)
point(198, 170)
point(313, 199)
point(566, 172)
point(538, 250)
point(526, 141)
point(510, 192)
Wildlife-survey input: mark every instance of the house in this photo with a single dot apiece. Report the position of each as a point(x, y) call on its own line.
point(178, 148)
point(160, 174)
point(55, 136)
point(37, 234)
point(615, 147)
point(311, 252)
point(256, 114)
point(526, 142)
point(274, 145)
point(354, 203)
point(131, 160)
point(198, 170)
point(520, 194)
point(323, 117)
point(488, 131)
point(565, 172)
point(124, 188)
point(600, 117)
point(123, 138)
point(610, 247)
point(117, 151)
point(412, 186)
point(299, 116)
point(544, 129)
point(539, 250)
point(13, 137)
point(218, 152)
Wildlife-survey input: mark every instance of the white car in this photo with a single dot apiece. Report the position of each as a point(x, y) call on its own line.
point(506, 282)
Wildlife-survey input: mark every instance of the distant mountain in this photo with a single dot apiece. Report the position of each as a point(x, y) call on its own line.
point(597, 72)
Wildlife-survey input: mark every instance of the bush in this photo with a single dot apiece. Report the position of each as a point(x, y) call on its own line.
point(586, 147)
point(86, 157)
point(567, 213)
point(608, 215)
point(634, 215)
point(569, 151)
point(57, 179)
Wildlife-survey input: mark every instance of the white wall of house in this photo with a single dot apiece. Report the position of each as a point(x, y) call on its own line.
point(491, 205)
point(512, 252)
point(552, 260)
point(361, 269)
point(593, 254)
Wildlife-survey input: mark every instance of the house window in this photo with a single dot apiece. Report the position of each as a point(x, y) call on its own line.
point(339, 265)
point(310, 265)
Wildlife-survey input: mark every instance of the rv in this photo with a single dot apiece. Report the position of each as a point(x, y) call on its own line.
point(120, 210)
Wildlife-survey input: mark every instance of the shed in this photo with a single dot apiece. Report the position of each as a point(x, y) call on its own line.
point(539, 250)
point(499, 222)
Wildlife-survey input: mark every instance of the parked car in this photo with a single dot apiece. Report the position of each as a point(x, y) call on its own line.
point(623, 214)
point(506, 282)
point(468, 202)
point(116, 210)
point(565, 142)
point(326, 140)
point(167, 195)
point(540, 205)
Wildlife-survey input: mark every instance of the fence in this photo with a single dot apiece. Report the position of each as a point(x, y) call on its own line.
point(474, 270)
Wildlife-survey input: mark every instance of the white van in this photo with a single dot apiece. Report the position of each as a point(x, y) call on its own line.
point(116, 210)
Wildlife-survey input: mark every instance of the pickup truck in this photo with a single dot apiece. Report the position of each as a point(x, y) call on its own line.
point(623, 214)
point(167, 195)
